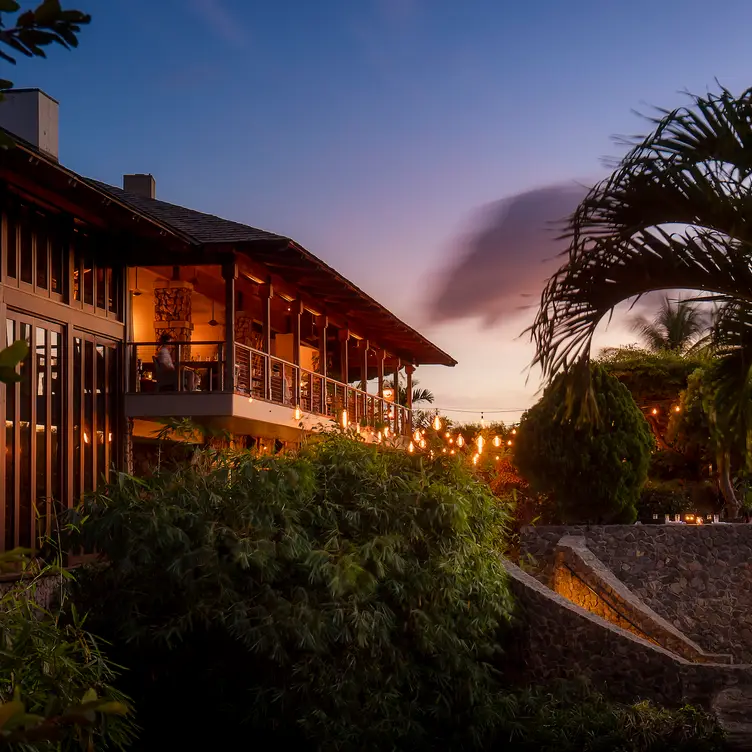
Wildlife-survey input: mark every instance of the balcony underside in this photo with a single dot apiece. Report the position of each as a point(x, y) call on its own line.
point(226, 411)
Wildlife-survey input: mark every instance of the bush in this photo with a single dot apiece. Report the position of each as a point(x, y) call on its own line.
point(663, 498)
point(347, 598)
point(51, 667)
point(572, 718)
point(593, 471)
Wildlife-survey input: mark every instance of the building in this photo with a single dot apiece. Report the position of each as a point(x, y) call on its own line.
point(268, 341)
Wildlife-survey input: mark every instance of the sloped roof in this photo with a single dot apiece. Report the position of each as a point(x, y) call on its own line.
point(203, 228)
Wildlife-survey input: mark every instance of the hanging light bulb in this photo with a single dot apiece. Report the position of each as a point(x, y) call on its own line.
point(344, 419)
point(447, 435)
point(416, 435)
point(443, 451)
point(436, 423)
point(475, 459)
point(386, 430)
point(451, 451)
point(479, 443)
point(514, 431)
point(422, 443)
point(482, 421)
point(250, 398)
point(460, 441)
point(509, 443)
point(411, 447)
point(497, 458)
point(654, 411)
point(497, 441)
point(677, 409)
point(297, 414)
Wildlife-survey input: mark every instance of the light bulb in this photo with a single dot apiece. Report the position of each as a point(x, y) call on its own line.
point(654, 411)
point(509, 443)
point(422, 443)
point(86, 438)
point(250, 399)
point(497, 441)
point(677, 409)
point(446, 435)
point(460, 441)
point(386, 431)
point(416, 435)
point(297, 414)
point(514, 431)
point(475, 459)
point(451, 451)
point(497, 458)
point(344, 419)
point(479, 442)
point(411, 447)
point(437, 423)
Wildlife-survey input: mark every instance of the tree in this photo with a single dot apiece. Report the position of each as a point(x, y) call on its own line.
point(593, 471)
point(33, 30)
point(676, 327)
point(419, 395)
point(672, 215)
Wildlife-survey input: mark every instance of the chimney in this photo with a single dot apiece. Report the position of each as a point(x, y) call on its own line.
point(141, 185)
point(31, 115)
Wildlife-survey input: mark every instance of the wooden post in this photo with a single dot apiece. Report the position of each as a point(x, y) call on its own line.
point(362, 412)
point(380, 371)
point(230, 274)
point(409, 370)
point(266, 293)
point(396, 403)
point(296, 309)
point(344, 339)
point(322, 324)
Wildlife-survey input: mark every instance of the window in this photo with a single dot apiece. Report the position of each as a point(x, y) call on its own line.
point(11, 235)
point(27, 248)
point(43, 256)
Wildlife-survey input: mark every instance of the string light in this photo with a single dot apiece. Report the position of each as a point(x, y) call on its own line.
point(344, 419)
point(416, 435)
point(460, 441)
point(509, 443)
point(298, 414)
point(437, 423)
point(514, 431)
point(497, 441)
point(475, 459)
point(654, 411)
point(447, 435)
point(479, 443)
point(677, 409)
point(411, 447)
point(422, 443)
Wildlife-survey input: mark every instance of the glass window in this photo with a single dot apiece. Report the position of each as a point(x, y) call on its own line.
point(89, 407)
point(88, 279)
point(76, 417)
point(58, 254)
point(101, 289)
point(12, 245)
point(27, 250)
point(77, 264)
point(43, 255)
point(57, 456)
point(10, 447)
point(101, 412)
point(26, 429)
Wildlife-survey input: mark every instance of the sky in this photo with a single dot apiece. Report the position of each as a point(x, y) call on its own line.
point(392, 138)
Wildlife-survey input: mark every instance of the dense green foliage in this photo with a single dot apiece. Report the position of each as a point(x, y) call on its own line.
point(593, 471)
point(55, 691)
point(573, 718)
point(662, 498)
point(350, 597)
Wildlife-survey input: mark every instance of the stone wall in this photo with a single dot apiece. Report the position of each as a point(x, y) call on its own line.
point(698, 578)
point(173, 313)
point(558, 640)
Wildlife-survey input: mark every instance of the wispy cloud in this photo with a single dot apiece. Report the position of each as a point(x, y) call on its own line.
point(217, 17)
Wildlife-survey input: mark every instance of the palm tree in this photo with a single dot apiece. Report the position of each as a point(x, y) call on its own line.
point(419, 395)
point(676, 213)
point(676, 327)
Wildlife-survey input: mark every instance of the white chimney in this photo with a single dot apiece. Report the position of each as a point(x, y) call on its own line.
point(140, 185)
point(31, 115)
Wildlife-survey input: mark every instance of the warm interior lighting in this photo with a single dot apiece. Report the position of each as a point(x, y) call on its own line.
point(677, 409)
point(298, 414)
point(109, 438)
point(654, 411)
point(437, 423)
point(497, 441)
point(460, 441)
point(86, 438)
point(386, 430)
point(388, 394)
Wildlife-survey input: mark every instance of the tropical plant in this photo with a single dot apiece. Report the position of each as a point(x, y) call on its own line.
point(672, 215)
point(351, 597)
point(420, 396)
point(593, 471)
point(675, 328)
point(33, 30)
point(55, 691)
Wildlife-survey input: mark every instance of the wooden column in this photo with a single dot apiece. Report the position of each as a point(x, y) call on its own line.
point(266, 293)
point(409, 370)
point(344, 339)
point(396, 403)
point(361, 403)
point(322, 324)
point(230, 274)
point(380, 371)
point(296, 309)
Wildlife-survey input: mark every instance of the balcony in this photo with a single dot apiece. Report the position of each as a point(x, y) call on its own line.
point(265, 396)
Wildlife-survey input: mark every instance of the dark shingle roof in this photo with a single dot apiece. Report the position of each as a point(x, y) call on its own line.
point(204, 228)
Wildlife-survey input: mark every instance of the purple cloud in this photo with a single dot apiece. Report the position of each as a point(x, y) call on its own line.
point(216, 15)
point(501, 267)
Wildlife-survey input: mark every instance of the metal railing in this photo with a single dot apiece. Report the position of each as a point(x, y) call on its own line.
point(200, 367)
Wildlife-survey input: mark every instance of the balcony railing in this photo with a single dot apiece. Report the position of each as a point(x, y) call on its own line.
point(200, 367)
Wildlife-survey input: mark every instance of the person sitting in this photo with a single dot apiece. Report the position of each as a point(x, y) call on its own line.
point(164, 367)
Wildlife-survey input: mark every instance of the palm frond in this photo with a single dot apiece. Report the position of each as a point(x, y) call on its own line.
point(694, 171)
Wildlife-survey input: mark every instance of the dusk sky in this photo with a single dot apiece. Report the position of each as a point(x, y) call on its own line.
point(375, 132)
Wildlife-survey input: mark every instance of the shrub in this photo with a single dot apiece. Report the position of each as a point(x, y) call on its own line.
point(55, 691)
point(349, 597)
point(593, 471)
point(662, 498)
point(573, 718)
